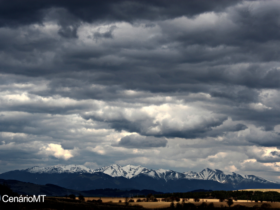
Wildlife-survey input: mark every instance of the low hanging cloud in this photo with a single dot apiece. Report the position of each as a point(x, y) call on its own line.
point(57, 151)
point(166, 120)
point(141, 142)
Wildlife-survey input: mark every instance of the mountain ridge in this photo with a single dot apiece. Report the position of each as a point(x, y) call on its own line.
point(81, 178)
point(131, 171)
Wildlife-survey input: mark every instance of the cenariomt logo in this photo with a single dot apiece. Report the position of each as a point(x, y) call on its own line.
point(22, 199)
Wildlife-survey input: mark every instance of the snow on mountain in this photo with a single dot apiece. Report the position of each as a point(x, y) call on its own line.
point(191, 175)
point(220, 176)
point(131, 171)
point(169, 174)
point(60, 169)
point(115, 170)
point(215, 175)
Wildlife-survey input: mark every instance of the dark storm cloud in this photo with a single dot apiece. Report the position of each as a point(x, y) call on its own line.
point(15, 13)
point(136, 141)
point(264, 118)
point(236, 94)
point(211, 127)
point(87, 75)
point(171, 71)
point(40, 107)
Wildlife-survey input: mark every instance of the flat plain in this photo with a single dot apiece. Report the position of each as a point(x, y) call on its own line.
point(163, 204)
point(263, 190)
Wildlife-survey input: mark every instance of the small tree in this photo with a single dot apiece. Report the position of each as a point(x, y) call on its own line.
point(126, 201)
point(177, 199)
point(150, 196)
point(81, 198)
point(179, 206)
point(6, 190)
point(72, 196)
point(221, 199)
point(211, 206)
point(203, 205)
point(229, 202)
point(196, 199)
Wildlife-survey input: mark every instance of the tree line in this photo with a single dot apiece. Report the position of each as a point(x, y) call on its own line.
point(257, 196)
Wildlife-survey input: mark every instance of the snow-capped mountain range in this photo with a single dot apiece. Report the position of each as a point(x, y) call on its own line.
point(131, 171)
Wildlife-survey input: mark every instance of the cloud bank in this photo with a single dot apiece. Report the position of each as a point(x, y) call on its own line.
point(182, 85)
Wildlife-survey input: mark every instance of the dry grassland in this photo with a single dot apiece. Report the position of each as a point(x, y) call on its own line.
point(263, 190)
point(163, 204)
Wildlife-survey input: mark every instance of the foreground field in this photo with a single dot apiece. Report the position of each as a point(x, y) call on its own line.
point(163, 204)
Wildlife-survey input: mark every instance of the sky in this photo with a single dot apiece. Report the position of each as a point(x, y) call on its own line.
point(181, 85)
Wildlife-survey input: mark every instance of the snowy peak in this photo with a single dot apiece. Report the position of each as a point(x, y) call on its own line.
point(191, 175)
point(131, 171)
point(207, 173)
point(112, 170)
point(219, 176)
point(60, 169)
point(169, 174)
point(210, 174)
point(115, 170)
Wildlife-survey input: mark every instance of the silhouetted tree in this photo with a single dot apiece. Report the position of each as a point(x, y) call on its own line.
point(203, 205)
point(72, 196)
point(221, 199)
point(196, 199)
point(126, 201)
point(189, 206)
point(229, 202)
point(5, 190)
point(211, 206)
point(81, 198)
point(179, 206)
point(150, 196)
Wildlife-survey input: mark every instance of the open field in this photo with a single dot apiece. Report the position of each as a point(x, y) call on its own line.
point(163, 204)
point(263, 190)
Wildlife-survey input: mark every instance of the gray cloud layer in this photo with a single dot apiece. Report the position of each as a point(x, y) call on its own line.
point(182, 85)
point(135, 141)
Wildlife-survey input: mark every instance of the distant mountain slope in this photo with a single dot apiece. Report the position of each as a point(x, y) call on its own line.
point(60, 169)
point(25, 188)
point(78, 177)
